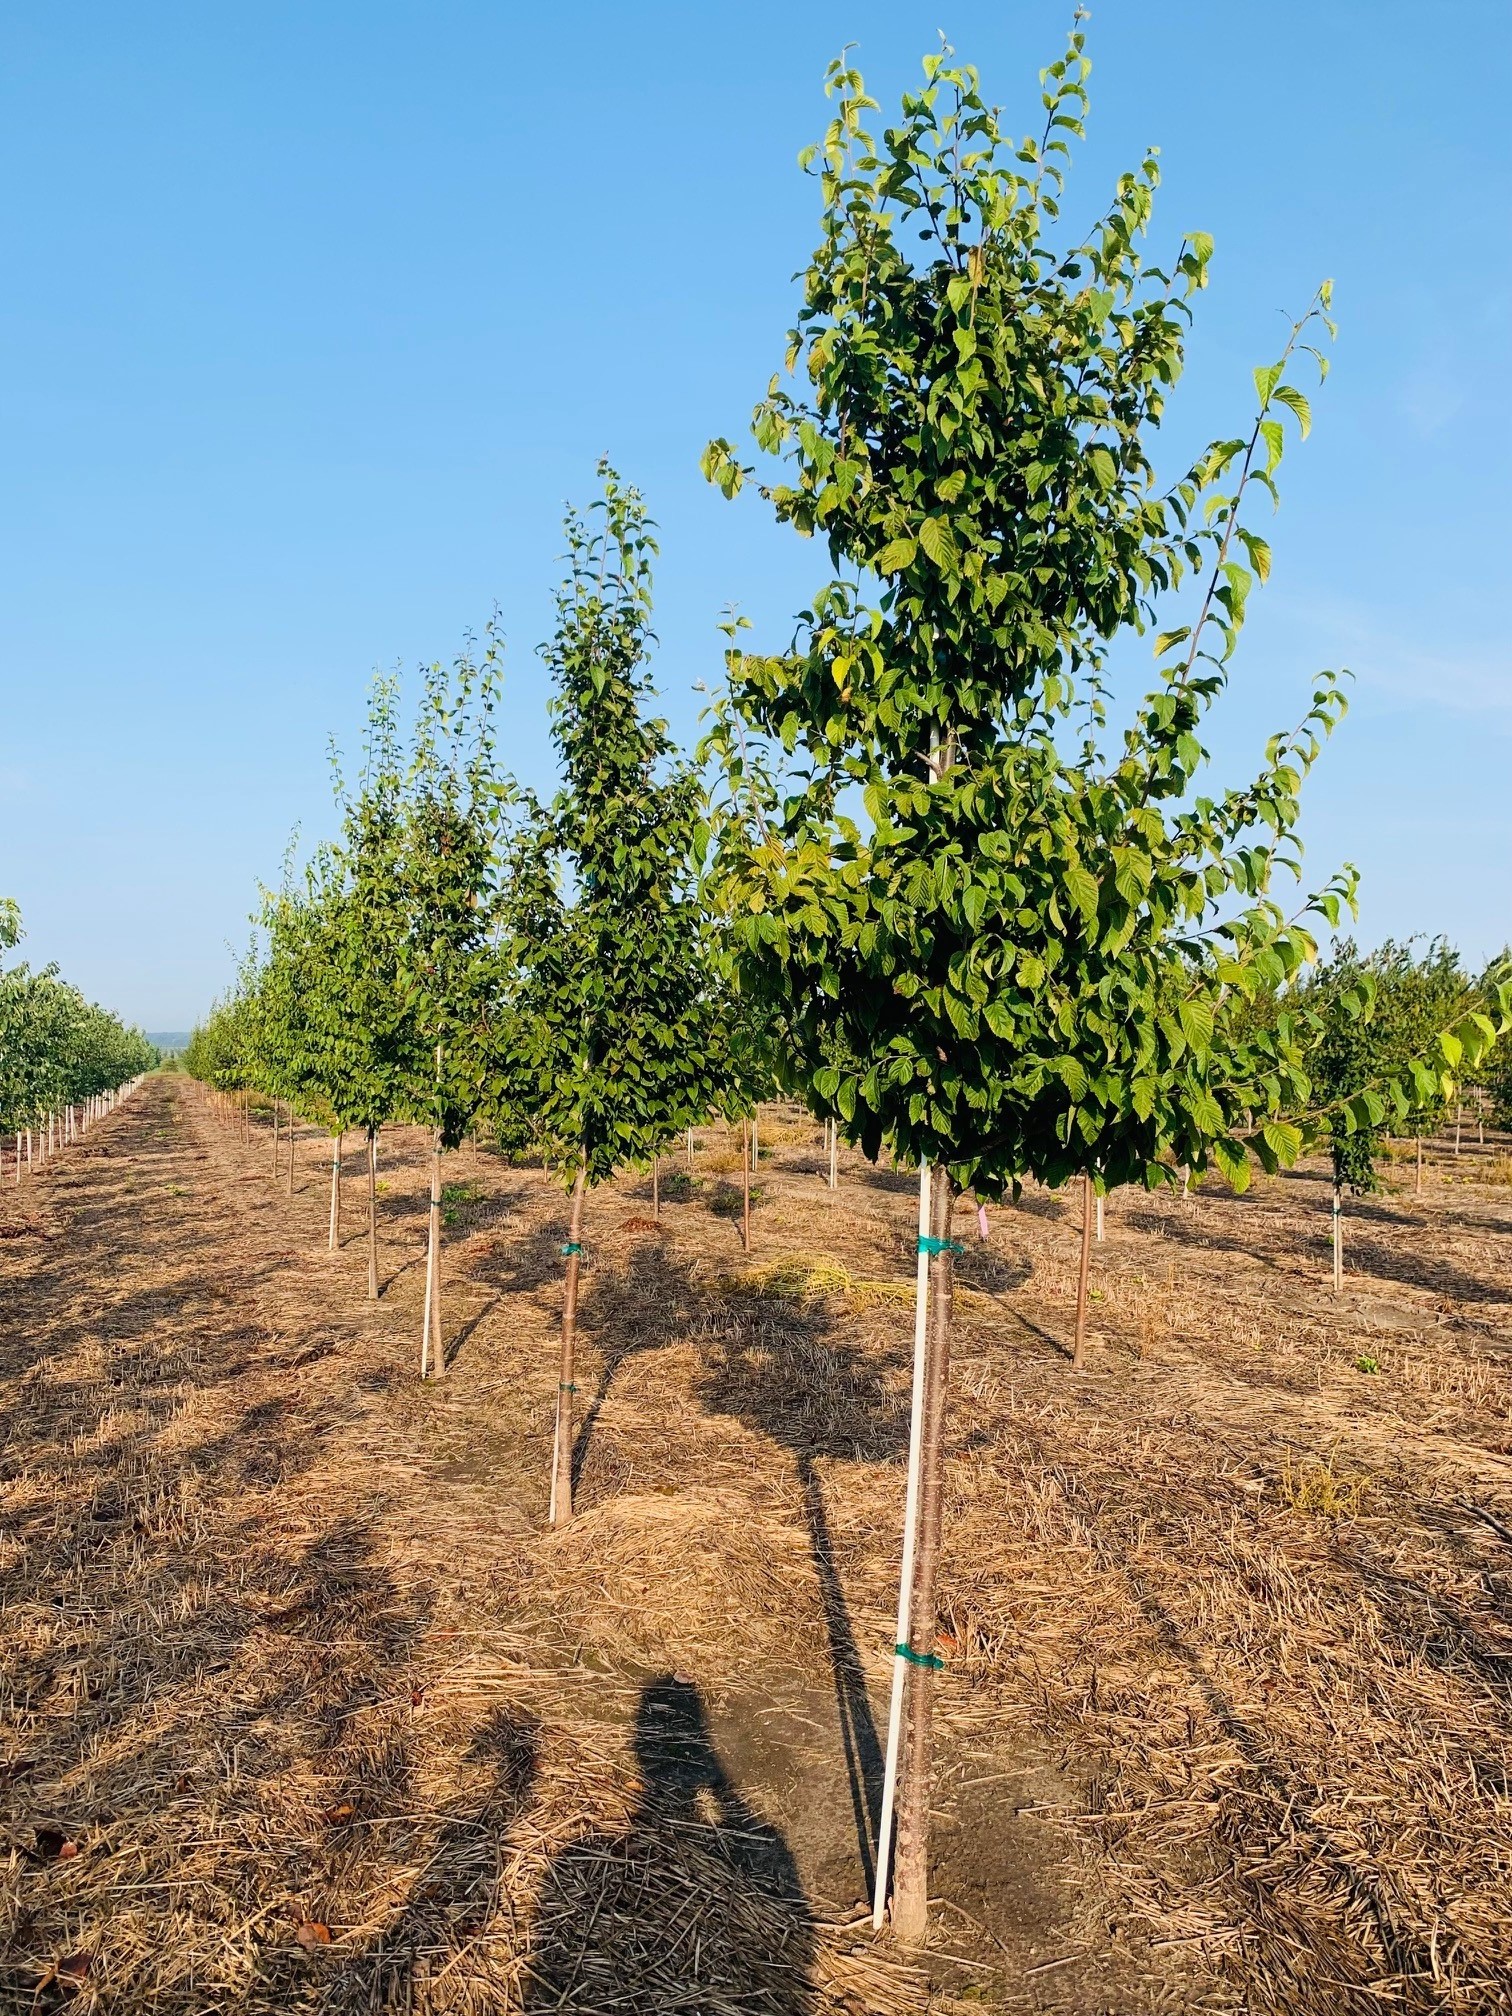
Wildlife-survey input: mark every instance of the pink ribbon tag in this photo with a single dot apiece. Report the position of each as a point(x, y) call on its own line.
point(981, 1221)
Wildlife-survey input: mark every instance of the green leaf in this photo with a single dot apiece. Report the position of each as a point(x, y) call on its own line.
point(1290, 396)
point(897, 556)
point(938, 541)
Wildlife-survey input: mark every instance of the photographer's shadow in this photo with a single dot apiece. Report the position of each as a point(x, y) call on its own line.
point(696, 1904)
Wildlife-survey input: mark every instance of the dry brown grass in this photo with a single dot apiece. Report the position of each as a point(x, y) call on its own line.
point(1227, 1715)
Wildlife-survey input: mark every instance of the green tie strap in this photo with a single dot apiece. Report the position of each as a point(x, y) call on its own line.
point(572, 1247)
point(930, 1660)
point(928, 1245)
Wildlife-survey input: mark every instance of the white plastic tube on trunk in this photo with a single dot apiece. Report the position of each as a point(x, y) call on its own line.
point(910, 1543)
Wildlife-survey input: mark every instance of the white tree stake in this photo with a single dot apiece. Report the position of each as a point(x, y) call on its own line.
point(910, 1542)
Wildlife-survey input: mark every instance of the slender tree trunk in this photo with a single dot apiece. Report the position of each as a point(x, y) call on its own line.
point(1417, 1187)
point(745, 1184)
point(276, 1163)
point(655, 1187)
point(910, 1547)
point(1338, 1238)
point(438, 1346)
point(335, 1192)
point(247, 1117)
point(561, 1447)
point(1457, 1113)
point(690, 1151)
point(290, 1131)
point(911, 1880)
point(1079, 1354)
point(372, 1187)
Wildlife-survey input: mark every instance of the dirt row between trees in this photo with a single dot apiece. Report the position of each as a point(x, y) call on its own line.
point(303, 1709)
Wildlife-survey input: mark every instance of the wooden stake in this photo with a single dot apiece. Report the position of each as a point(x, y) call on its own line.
point(834, 1154)
point(911, 1877)
point(1099, 1217)
point(1079, 1354)
point(745, 1184)
point(1417, 1188)
point(910, 1542)
point(655, 1187)
point(561, 1446)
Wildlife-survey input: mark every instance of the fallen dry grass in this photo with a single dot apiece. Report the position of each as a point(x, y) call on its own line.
point(328, 1722)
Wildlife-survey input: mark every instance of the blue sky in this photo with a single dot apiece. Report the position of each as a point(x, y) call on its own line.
point(313, 314)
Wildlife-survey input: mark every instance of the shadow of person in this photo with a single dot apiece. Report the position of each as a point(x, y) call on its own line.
point(695, 1906)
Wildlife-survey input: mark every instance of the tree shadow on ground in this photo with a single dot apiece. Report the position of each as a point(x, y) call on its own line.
point(1375, 1236)
point(695, 1906)
point(820, 1396)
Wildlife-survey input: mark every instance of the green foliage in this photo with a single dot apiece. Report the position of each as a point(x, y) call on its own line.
point(56, 1048)
point(1022, 960)
point(1389, 1034)
point(610, 995)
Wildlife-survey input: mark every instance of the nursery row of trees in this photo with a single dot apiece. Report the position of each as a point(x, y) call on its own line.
point(62, 1059)
point(929, 872)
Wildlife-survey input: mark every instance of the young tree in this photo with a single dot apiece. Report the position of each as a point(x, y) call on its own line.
point(377, 1054)
point(607, 988)
point(454, 806)
point(1024, 949)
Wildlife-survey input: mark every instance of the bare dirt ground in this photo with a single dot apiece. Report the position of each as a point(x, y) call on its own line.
point(302, 1708)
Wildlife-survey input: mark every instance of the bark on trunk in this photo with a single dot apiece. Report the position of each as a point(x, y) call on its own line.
point(1079, 1354)
point(1338, 1238)
point(911, 1879)
point(561, 1447)
point(745, 1184)
point(433, 1272)
point(372, 1187)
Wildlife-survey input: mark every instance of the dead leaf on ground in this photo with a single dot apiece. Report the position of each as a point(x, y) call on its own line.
point(312, 1934)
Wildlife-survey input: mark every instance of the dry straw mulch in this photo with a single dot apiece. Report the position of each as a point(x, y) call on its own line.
point(303, 1710)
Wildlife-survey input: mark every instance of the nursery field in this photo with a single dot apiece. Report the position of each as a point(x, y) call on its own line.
point(304, 1707)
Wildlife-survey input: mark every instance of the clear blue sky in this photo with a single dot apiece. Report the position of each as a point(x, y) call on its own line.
point(313, 313)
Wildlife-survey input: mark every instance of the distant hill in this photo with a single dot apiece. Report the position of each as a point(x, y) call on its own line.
point(168, 1039)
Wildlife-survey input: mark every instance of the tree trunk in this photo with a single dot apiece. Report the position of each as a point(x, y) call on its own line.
point(335, 1192)
point(910, 1546)
point(655, 1187)
point(561, 1447)
point(1417, 1187)
point(290, 1131)
point(1338, 1238)
point(745, 1184)
point(1457, 1112)
point(433, 1270)
point(372, 1173)
point(911, 1881)
point(275, 1141)
point(1079, 1354)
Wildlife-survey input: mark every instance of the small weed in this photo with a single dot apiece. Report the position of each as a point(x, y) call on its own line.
point(1365, 1363)
point(726, 1200)
point(1318, 1485)
point(677, 1186)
